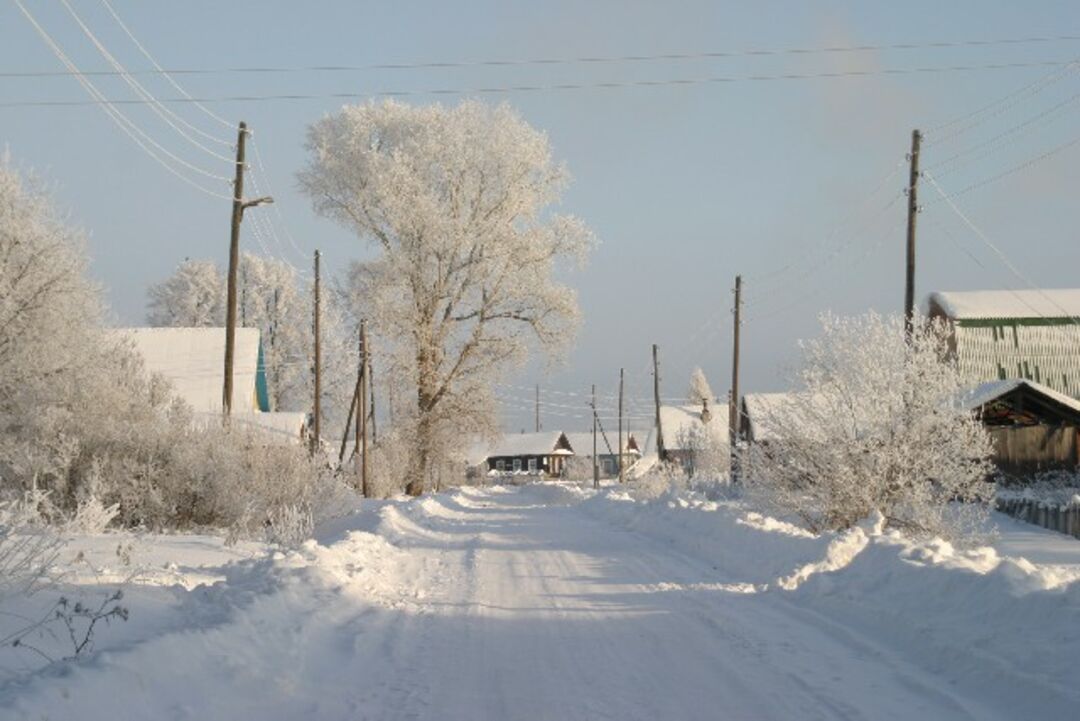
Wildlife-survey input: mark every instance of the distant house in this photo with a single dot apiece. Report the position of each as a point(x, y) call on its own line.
point(530, 453)
point(1029, 334)
point(582, 446)
point(689, 434)
point(192, 360)
point(1034, 428)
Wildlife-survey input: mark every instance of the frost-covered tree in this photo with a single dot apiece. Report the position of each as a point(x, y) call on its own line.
point(49, 311)
point(192, 297)
point(701, 394)
point(456, 203)
point(879, 424)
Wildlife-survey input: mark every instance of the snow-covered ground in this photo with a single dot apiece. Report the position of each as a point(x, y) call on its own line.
point(551, 602)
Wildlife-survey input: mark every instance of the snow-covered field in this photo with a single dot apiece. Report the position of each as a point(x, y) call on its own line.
point(552, 602)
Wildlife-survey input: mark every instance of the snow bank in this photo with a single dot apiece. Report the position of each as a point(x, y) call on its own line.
point(999, 622)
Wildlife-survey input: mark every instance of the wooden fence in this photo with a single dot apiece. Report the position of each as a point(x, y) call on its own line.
point(1063, 520)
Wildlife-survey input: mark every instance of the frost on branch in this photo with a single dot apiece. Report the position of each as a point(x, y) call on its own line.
point(466, 273)
point(878, 425)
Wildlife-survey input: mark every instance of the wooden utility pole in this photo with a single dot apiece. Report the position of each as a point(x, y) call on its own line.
point(913, 211)
point(660, 452)
point(537, 407)
point(239, 205)
point(733, 398)
point(361, 405)
point(234, 261)
point(620, 426)
point(371, 399)
point(316, 423)
point(595, 466)
point(354, 403)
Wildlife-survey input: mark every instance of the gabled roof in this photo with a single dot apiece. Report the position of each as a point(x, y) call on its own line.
point(767, 415)
point(581, 443)
point(678, 422)
point(999, 304)
point(192, 360)
point(528, 444)
point(987, 393)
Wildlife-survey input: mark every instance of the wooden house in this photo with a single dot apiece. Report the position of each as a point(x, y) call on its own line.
point(533, 454)
point(1034, 428)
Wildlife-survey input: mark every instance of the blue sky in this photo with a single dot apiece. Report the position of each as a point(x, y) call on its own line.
point(684, 185)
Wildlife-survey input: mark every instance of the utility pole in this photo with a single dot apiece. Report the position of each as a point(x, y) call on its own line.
point(317, 421)
point(354, 403)
point(595, 466)
point(361, 407)
point(660, 452)
point(239, 205)
point(234, 261)
point(371, 399)
point(537, 407)
point(913, 211)
point(733, 400)
point(620, 426)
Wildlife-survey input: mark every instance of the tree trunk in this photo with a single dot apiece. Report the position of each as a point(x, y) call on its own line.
point(422, 456)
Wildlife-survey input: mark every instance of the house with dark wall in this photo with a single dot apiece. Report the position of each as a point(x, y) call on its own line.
point(1034, 428)
point(539, 454)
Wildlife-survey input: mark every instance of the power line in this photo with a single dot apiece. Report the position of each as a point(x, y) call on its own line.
point(992, 143)
point(1016, 168)
point(610, 84)
point(160, 110)
point(576, 60)
point(164, 73)
point(133, 131)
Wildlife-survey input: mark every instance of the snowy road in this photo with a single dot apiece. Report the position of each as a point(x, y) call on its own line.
point(506, 604)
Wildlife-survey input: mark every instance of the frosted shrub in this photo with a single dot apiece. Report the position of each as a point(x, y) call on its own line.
point(878, 425)
point(28, 547)
point(660, 480)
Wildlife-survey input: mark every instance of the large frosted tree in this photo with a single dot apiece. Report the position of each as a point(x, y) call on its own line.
point(456, 202)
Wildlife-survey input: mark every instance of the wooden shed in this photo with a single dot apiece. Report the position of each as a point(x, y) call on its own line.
point(1034, 427)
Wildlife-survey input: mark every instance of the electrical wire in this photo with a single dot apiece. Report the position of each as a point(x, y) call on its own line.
point(576, 60)
point(992, 143)
point(164, 73)
point(998, 252)
point(999, 106)
point(1015, 169)
point(499, 90)
point(133, 131)
point(168, 116)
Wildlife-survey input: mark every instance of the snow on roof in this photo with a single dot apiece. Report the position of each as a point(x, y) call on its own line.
point(582, 442)
point(988, 392)
point(982, 304)
point(769, 413)
point(678, 422)
point(278, 428)
point(192, 359)
point(526, 444)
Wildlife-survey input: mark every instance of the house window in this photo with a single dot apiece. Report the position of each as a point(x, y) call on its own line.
point(500, 465)
point(532, 465)
point(517, 464)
